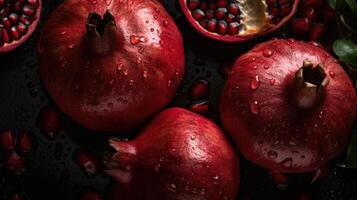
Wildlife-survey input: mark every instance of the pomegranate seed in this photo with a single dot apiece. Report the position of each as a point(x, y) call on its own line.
point(203, 5)
point(301, 25)
point(198, 14)
point(7, 140)
point(233, 8)
point(317, 32)
point(312, 3)
point(203, 23)
point(199, 90)
point(87, 162)
point(15, 197)
point(25, 142)
point(34, 3)
point(212, 5)
point(222, 27)
point(14, 34)
point(13, 17)
point(25, 20)
point(274, 10)
point(5, 12)
point(6, 21)
point(281, 180)
point(15, 163)
point(21, 28)
point(309, 13)
point(49, 122)
point(6, 37)
point(212, 25)
point(221, 3)
point(193, 4)
point(320, 174)
point(285, 9)
point(221, 13)
point(209, 14)
point(328, 15)
point(201, 107)
point(91, 195)
point(230, 18)
point(28, 10)
point(233, 28)
point(17, 6)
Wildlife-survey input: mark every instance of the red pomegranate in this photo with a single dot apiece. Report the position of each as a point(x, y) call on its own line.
point(179, 155)
point(18, 20)
point(237, 20)
point(111, 64)
point(289, 106)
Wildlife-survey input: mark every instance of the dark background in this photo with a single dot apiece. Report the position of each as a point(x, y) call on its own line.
point(52, 173)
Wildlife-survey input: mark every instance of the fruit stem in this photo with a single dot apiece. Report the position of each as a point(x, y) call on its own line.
point(119, 165)
point(310, 84)
point(101, 32)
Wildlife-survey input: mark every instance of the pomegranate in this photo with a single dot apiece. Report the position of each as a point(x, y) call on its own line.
point(179, 155)
point(110, 65)
point(18, 20)
point(289, 106)
point(237, 20)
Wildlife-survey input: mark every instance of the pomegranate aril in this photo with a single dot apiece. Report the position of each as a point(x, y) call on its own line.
point(233, 28)
point(25, 20)
point(199, 90)
point(203, 5)
point(201, 107)
point(221, 3)
point(21, 29)
point(198, 14)
point(222, 27)
point(209, 14)
point(14, 34)
point(13, 17)
point(301, 25)
point(6, 37)
point(286, 9)
point(33, 3)
point(317, 32)
point(221, 13)
point(309, 13)
point(87, 162)
point(17, 6)
point(212, 25)
point(193, 4)
point(28, 10)
point(233, 9)
point(15, 162)
point(274, 11)
point(4, 12)
point(7, 140)
point(25, 142)
point(6, 21)
point(203, 23)
point(212, 5)
point(230, 18)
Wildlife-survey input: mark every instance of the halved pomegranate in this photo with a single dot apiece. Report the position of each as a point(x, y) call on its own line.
point(289, 106)
point(18, 20)
point(110, 65)
point(237, 20)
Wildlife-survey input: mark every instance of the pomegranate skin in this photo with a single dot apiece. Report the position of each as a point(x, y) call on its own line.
point(270, 129)
point(132, 73)
point(179, 155)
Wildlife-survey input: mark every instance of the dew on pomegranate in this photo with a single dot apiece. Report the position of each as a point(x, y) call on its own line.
point(268, 53)
point(254, 107)
point(272, 81)
point(332, 74)
point(287, 163)
point(272, 154)
point(134, 39)
point(171, 187)
point(200, 107)
point(255, 83)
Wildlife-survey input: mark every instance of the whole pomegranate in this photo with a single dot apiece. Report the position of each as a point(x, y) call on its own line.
point(179, 155)
point(237, 20)
point(18, 20)
point(289, 106)
point(110, 65)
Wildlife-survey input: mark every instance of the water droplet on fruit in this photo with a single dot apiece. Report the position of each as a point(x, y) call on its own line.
point(138, 60)
point(332, 74)
point(254, 67)
point(272, 81)
point(134, 39)
point(146, 21)
point(287, 163)
point(141, 50)
point(272, 154)
point(157, 168)
point(145, 74)
point(193, 137)
point(268, 52)
point(171, 187)
point(94, 2)
point(166, 22)
point(152, 29)
point(254, 107)
point(169, 83)
point(216, 177)
point(155, 16)
point(126, 71)
point(63, 33)
point(254, 83)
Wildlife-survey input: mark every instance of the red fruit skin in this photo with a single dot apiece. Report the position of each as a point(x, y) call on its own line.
point(179, 155)
point(117, 90)
point(13, 45)
point(234, 38)
point(281, 133)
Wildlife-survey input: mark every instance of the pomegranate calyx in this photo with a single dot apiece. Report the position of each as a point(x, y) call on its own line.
point(101, 32)
point(310, 84)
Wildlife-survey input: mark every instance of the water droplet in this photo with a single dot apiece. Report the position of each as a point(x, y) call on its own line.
point(272, 154)
point(254, 83)
point(166, 22)
point(94, 2)
point(141, 50)
point(108, 2)
point(152, 29)
point(145, 74)
point(287, 163)
point(203, 192)
point(119, 67)
point(216, 177)
point(253, 59)
point(254, 67)
point(71, 46)
point(111, 82)
point(146, 21)
point(272, 81)
point(169, 84)
point(171, 187)
point(155, 16)
point(193, 137)
point(131, 82)
point(138, 60)
point(134, 39)
point(125, 72)
point(292, 143)
point(332, 74)
point(144, 39)
point(157, 168)
point(268, 52)
point(156, 10)
point(63, 33)
point(254, 107)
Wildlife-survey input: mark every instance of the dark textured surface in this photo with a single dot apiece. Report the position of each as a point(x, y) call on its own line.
point(53, 174)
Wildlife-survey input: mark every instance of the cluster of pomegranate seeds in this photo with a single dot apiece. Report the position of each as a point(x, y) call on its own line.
point(218, 16)
point(278, 9)
point(17, 146)
point(313, 19)
point(15, 18)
